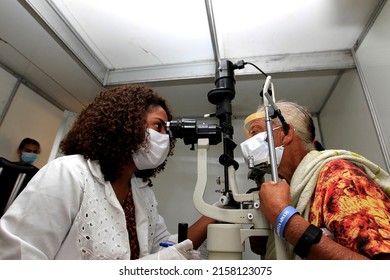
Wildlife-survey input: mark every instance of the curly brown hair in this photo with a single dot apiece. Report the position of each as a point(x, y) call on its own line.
point(112, 127)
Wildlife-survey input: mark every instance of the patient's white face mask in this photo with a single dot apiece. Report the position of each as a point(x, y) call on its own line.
point(155, 153)
point(257, 148)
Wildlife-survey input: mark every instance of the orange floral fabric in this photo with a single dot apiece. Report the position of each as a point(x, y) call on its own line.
point(353, 207)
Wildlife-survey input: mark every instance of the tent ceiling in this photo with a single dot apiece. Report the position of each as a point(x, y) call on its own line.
point(173, 45)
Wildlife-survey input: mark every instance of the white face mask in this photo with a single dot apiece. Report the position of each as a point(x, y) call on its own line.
point(256, 147)
point(279, 153)
point(155, 153)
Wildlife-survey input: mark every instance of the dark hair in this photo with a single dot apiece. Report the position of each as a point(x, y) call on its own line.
point(27, 141)
point(112, 127)
point(318, 145)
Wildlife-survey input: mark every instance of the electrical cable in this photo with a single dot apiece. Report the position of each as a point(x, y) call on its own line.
point(261, 71)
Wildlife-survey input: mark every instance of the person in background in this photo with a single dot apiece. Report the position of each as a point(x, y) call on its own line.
point(329, 204)
point(97, 201)
point(12, 182)
point(28, 151)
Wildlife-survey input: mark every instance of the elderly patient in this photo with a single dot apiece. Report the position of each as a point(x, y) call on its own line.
point(329, 204)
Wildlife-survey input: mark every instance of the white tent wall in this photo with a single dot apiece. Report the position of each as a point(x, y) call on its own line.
point(374, 59)
point(25, 114)
point(356, 116)
point(346, 122)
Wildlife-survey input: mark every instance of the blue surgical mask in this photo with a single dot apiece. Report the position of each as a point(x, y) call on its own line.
point(29, 158)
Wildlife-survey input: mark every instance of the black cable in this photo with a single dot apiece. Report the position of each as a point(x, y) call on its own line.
point(256, 68)
point(278, 113)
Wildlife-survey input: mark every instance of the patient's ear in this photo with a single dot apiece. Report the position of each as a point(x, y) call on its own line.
point(287, 139)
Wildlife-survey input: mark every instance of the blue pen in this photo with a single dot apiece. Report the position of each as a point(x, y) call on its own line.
point(165, 244)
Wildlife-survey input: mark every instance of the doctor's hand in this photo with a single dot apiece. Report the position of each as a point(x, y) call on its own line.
point(181, 251)
point(274, 197)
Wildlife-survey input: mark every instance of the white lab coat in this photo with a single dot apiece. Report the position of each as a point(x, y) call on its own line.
point(68, 211)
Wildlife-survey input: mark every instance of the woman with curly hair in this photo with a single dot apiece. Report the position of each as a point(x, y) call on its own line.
point(96, 202)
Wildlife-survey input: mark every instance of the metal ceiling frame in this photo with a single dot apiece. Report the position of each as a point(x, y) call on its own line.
point(312, 61)
point(373, 111)
point(68, 36)
point(22, 80)
point(366, 90)
point(371, 21)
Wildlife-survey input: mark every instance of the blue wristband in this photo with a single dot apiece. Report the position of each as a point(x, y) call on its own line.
point(283, 218)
